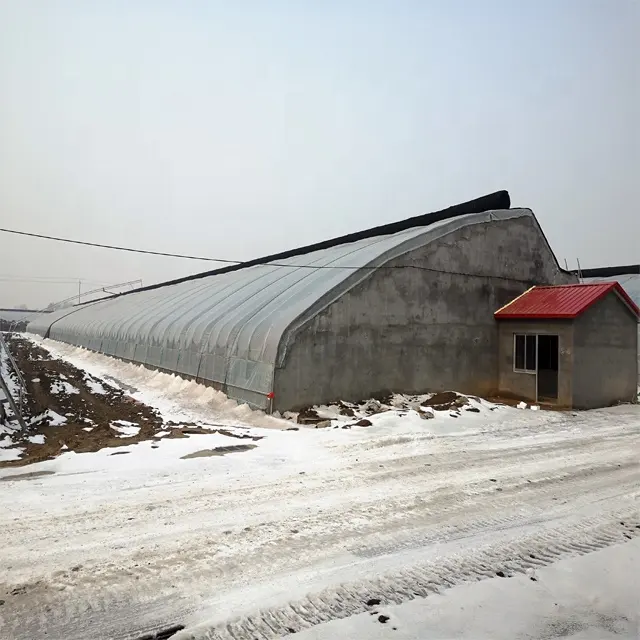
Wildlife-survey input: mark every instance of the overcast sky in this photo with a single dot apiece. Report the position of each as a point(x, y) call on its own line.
point(236, 129)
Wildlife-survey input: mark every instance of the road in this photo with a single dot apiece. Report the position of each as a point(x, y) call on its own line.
point(308, 526)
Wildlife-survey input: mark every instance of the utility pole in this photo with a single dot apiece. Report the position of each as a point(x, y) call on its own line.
point(79, 287)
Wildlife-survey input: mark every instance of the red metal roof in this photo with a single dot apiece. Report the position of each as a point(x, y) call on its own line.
point(564, 301)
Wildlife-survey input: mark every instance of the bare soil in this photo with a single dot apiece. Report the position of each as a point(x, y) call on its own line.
point(89, 415)
point(46, 380)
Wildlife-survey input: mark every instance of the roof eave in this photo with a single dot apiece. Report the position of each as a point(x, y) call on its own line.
point(536, 316)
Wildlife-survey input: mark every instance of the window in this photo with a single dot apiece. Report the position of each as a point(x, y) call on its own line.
point(524, 353)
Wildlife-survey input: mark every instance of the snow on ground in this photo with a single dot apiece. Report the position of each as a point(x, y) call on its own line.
point(138, 538)
point(10, 454)
point(95, 386)
point(125, 429)
point(593, 597)
point(274, 530)
point(52, 418)
point(62, 386)
point(178, 400)
point(37, 439)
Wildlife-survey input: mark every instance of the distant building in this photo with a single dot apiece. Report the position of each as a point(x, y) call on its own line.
point(572, 346)
point(404, 307)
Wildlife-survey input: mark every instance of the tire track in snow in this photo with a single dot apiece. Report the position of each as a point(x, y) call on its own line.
point(452, 516)
point(377, 528)
point(373, 511)
point(527, 553)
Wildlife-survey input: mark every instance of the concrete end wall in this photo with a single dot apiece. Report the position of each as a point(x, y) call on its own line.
point(523, 385)
point(606, 360)
point(413, 330)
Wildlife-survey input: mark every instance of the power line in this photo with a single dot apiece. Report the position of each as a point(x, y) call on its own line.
point(269, 263)
point(117, 248)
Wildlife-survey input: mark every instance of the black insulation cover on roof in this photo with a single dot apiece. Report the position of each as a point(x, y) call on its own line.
point(608, 272)
point(490, 202)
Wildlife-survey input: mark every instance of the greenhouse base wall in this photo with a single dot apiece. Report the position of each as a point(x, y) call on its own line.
point(416, 330)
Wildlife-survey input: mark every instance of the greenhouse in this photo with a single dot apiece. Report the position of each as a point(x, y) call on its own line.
point(402, 307)
point(628, 276)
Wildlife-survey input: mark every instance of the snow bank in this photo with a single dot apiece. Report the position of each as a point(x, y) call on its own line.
point(177, 399)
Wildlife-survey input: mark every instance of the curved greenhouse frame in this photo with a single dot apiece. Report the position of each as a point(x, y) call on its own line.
point(231, 327)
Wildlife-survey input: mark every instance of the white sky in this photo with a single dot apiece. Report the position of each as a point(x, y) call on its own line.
point(239, 129)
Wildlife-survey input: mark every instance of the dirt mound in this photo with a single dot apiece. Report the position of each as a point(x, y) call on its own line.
point(346, 410)
point(309, 416)
point(445, 401)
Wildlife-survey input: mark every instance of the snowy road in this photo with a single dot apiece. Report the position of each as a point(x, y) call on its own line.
point(592, 597)
point(308, 526)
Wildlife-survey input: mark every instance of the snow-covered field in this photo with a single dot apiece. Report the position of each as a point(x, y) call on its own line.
point(301, 529)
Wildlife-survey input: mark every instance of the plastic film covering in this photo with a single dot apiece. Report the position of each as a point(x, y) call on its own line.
point(630, 282)
point(228, 329)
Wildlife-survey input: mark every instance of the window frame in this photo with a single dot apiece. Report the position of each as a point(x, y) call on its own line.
point(526, 337)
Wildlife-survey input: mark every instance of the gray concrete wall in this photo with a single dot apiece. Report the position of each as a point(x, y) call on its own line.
point(605, 359)
point(523, 385)
point(631, 284)
point(413, 330)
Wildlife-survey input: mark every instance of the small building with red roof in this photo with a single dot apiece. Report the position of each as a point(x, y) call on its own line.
point(571, 345)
